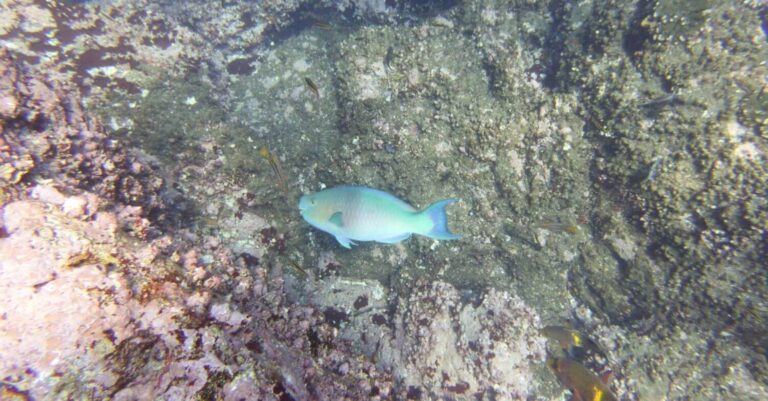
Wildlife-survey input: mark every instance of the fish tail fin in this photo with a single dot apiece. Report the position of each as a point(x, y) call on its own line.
point(437, 215)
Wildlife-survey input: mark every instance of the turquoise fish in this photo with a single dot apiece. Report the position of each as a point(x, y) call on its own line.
point(352, 213)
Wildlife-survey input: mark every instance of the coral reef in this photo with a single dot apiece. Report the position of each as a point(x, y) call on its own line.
point(97, 45)
point(125, 45)
point(97, 304)
point(684, 168)
point(438, 343)
point(62, 307)
point(588, 155)
point(600, 182)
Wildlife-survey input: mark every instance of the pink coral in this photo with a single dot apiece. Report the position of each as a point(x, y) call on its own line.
point(58, 298)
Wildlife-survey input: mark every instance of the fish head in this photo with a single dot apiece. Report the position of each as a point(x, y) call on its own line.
point(315, 211)
point(306, 202)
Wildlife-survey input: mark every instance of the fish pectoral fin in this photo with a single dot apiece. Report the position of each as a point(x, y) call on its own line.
point(395, 239)
point(345, 242)
point(336, 220)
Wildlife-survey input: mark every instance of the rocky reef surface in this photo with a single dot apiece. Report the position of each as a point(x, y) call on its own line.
point(97, 303)
point(609, 155)
point(102, 298)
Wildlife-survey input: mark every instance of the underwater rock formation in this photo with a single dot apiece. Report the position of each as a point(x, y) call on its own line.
point(610, 158)
point(122, 46)
point(48, 134)
point(438, 343)
point(98, 304)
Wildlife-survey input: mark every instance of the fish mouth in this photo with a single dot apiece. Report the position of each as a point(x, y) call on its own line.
point(303, 203)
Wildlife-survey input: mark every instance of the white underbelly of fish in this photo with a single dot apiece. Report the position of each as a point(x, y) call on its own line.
point(379, 227)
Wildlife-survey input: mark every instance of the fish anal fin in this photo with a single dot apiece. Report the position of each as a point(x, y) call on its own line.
point(345, 242)
point(336, 219)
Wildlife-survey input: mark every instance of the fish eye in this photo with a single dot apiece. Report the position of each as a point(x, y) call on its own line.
point(312, 201)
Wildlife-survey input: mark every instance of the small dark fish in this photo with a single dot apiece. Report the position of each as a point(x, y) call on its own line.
point(653, 170)
point(566, 337)
point(559, 227)
point(375, 355)
point(297, 266)
point(388, 58)
point(319, 22)
point(517, 233)
point(442, 22)
point(312, 86)
point(282, 183)
point(668, 100)
point(584, 384)
point(569, 339)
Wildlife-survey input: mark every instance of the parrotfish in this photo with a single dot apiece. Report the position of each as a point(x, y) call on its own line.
point(354, 213)
point(570, 339)
point(584, 384)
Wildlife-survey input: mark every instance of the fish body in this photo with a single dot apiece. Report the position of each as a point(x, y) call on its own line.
point(388, 58)
point(355, 213)
point(273, 161)
point(566, 337)
point(584, 384)
point(570, 339)
point(312, 86)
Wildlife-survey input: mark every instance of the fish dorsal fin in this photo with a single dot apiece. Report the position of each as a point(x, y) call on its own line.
point(336, 219)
